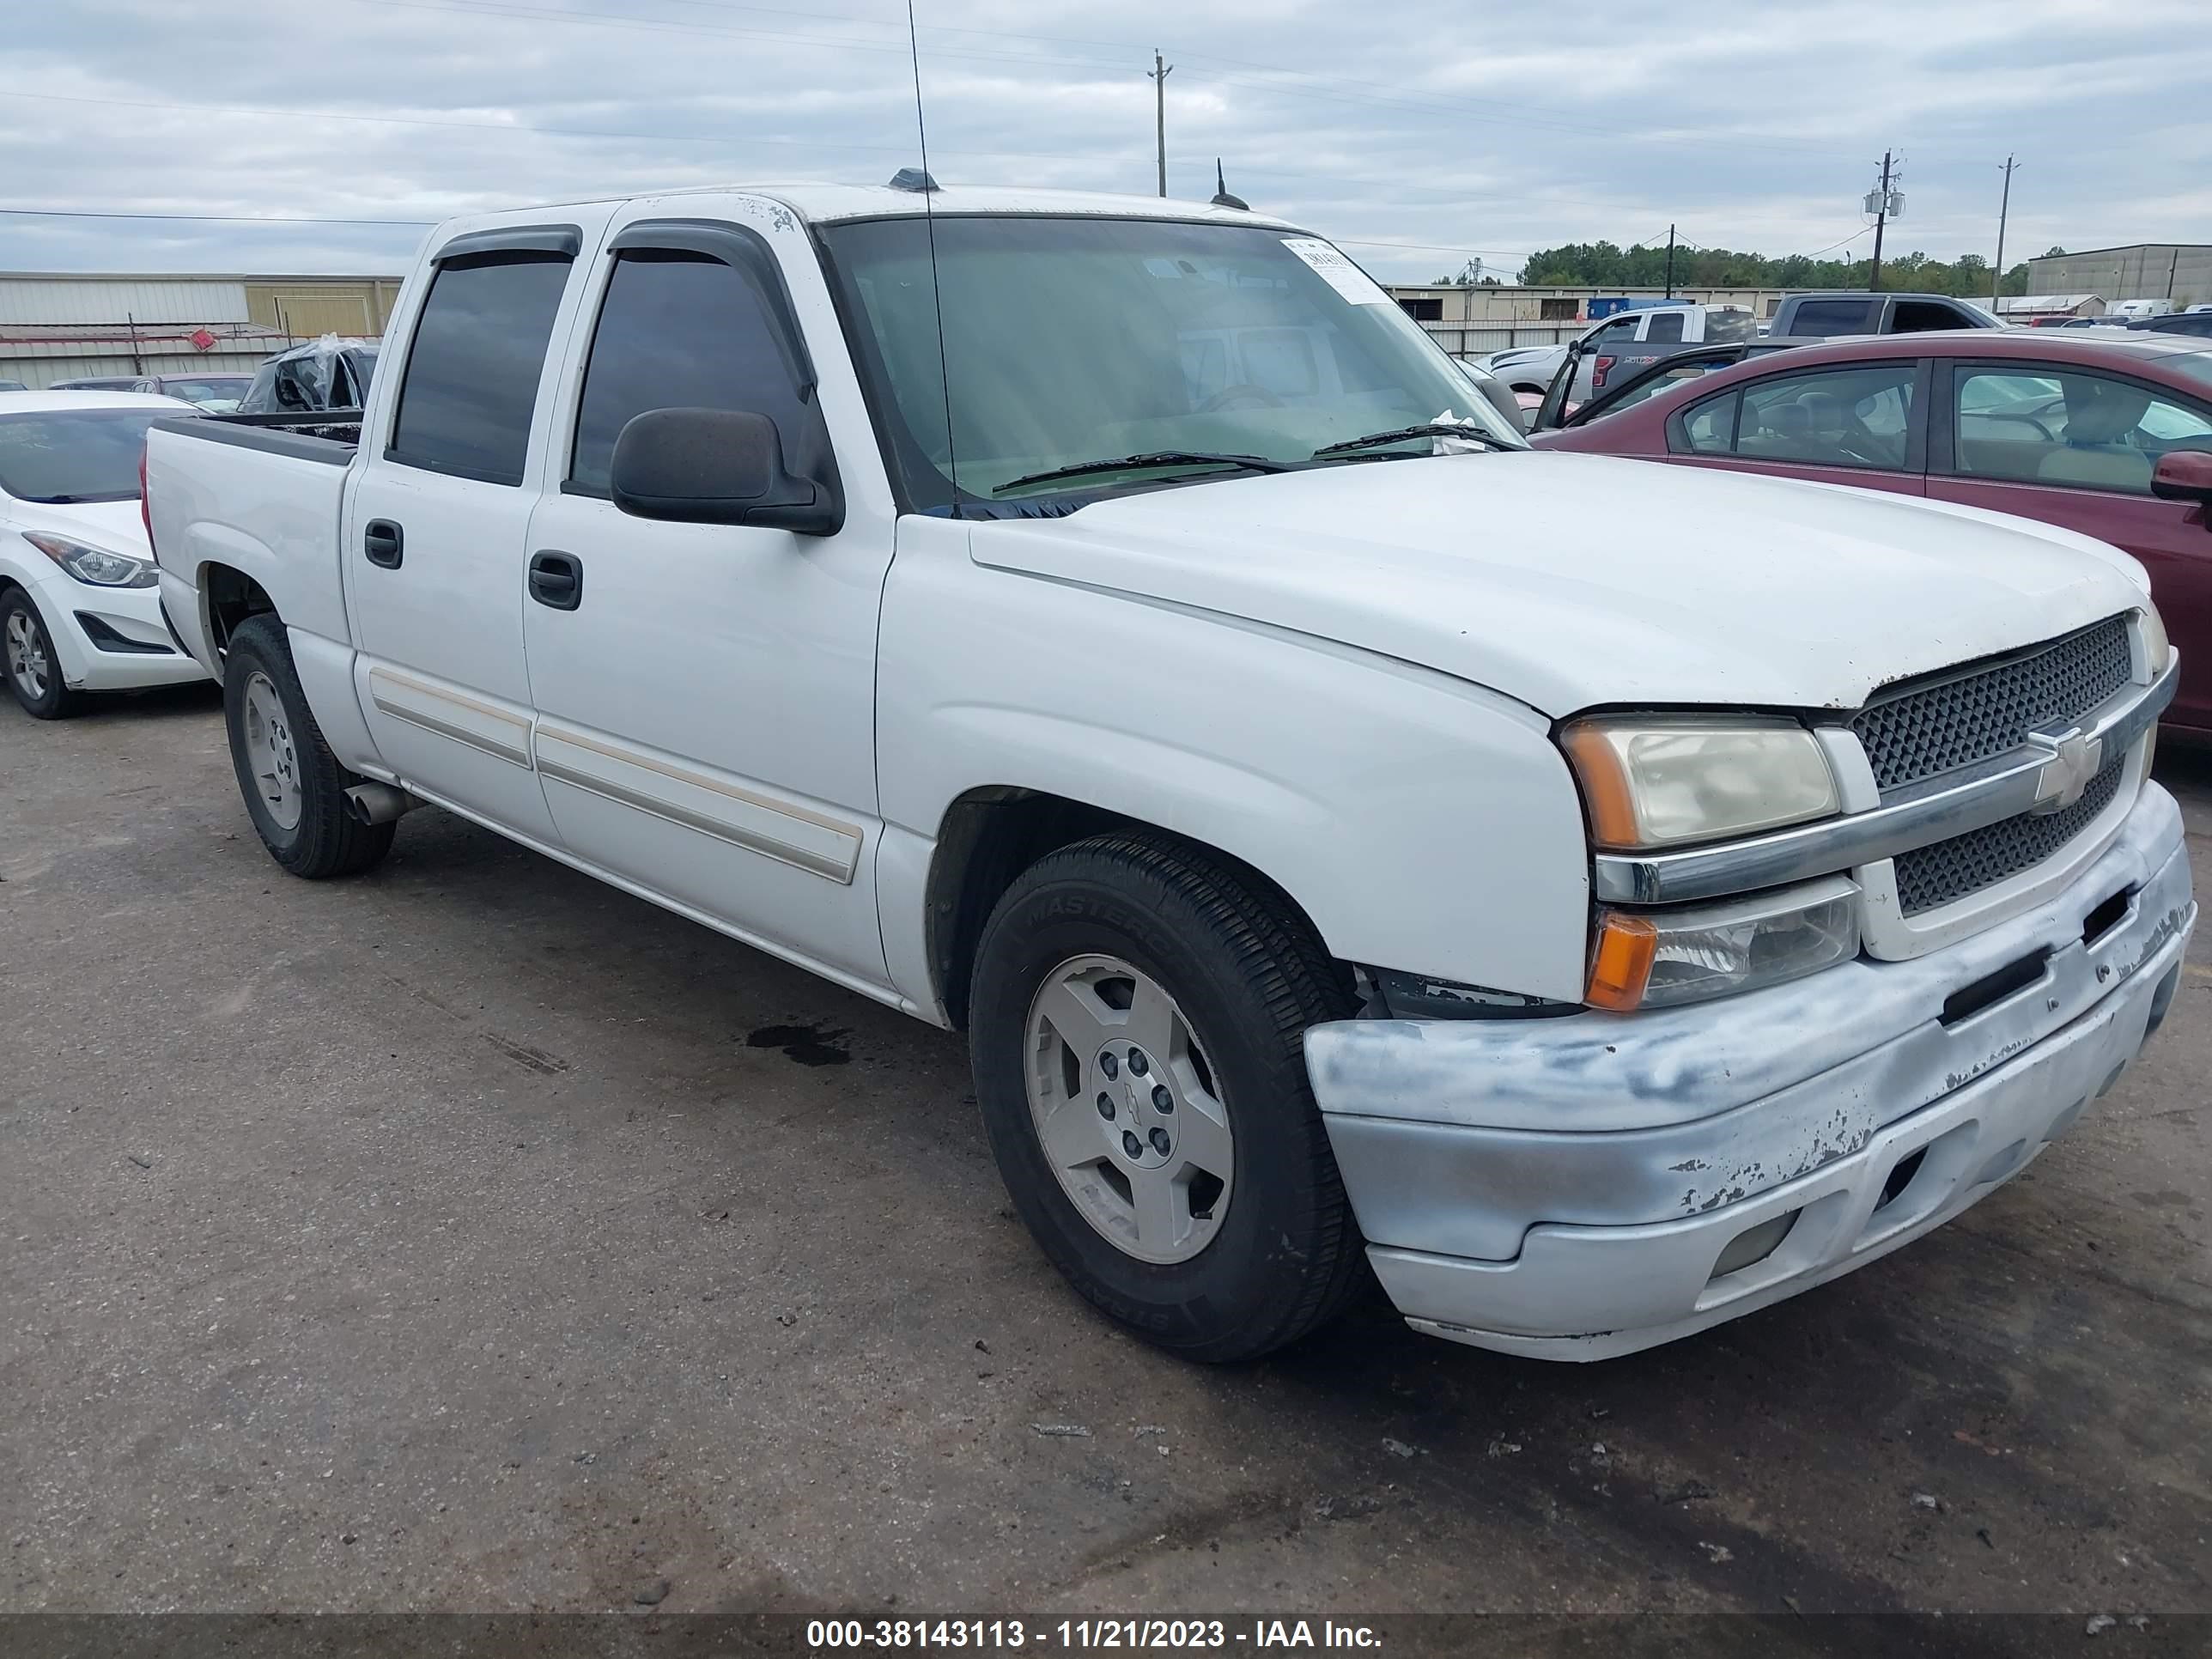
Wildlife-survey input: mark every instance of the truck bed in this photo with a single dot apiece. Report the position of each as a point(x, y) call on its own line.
point(260, 495)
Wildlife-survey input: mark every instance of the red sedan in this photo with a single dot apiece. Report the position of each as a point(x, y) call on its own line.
point(2109, 436)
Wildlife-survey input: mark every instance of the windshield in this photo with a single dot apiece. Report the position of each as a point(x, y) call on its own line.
point(214, 391)
point(74, 454)
point(1077, 340)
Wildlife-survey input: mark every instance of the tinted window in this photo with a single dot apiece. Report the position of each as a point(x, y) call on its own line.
point(2085, 430)
point(471, 382)
point(678, 330)
point(1674, 375)
point(1729, 325)
point(1711, 427)
point(1833, 317)
point(1666, 327)
point(1846, 417)
point(74, 454)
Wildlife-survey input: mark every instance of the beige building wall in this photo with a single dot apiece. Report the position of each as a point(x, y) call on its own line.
point(354, 306)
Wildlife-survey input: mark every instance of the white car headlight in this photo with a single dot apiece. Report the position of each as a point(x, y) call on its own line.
point(2157, 648)
point(1656, 958)
point(92, 564)
point(1650, 781)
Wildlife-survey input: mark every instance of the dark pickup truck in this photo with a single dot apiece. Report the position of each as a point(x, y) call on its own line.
point(1821, 315)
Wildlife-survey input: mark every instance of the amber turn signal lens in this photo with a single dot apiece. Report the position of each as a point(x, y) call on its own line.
point(1621, 963)
point(1605, 786)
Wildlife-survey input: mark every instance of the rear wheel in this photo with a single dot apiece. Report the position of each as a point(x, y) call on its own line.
point(1136, 1026)
point(27, 660)
point(294, 786)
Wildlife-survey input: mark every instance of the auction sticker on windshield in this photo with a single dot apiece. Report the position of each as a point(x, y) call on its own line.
point(1339, 272)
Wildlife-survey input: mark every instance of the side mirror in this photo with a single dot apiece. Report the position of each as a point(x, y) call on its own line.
point(2183, 475)
point(716, 466)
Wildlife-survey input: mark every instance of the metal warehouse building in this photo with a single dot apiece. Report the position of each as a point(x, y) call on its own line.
point(2179, 271)
point(66, 327)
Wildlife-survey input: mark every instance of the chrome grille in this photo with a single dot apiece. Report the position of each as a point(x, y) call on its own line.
point(1923, 730)
point(1931, 877)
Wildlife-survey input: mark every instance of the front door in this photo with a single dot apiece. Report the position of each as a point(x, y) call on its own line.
point(433, 538)
point(705, 693)
point(2050, 442)
point(1863, 424)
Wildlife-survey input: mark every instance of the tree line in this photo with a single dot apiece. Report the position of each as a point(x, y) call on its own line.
point(1603, 265)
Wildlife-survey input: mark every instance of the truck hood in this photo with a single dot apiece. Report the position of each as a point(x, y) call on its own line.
point(1568, 581)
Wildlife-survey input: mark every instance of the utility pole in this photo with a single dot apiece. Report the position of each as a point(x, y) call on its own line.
point(2004, 207)
point(1881, 218)
point(1159, 74)
point(1670, 262)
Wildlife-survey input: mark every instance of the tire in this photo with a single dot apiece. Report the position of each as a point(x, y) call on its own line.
point(28, 659)
point(261, 694)
point(1277, 1254)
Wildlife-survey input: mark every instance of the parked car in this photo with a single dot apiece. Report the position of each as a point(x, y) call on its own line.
point(2107, 435)
point(79, 611)
point(13, 385)
point(1557, 410)
point(1627, 340)
point(323, 374)
point(1823, 315)
point(219, 392)
point(2198, 323)
point(1600, 889)
point(1854, 312)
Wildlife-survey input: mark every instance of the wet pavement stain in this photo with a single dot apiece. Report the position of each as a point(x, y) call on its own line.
point(809, 1045)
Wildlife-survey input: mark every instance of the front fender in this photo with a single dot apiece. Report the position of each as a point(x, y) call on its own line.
point(1423, 823)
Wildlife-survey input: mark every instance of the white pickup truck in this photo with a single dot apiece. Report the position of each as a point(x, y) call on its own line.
point(1600, 898)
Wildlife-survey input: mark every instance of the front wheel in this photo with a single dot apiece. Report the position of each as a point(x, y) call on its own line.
point(28, 659)
point(1137, 1025)
point(294, 786)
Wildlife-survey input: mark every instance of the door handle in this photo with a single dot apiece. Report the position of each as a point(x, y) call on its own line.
point(384, 542)
point(556, 580)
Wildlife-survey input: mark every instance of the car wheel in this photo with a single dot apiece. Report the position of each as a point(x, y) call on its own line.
point(294, 786)
point(1136, 1024)
point(33, 672)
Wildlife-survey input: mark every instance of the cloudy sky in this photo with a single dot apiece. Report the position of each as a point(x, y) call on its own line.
point(1422, 134)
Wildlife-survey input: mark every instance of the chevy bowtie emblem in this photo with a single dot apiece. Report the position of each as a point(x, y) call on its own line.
point(2074, 759)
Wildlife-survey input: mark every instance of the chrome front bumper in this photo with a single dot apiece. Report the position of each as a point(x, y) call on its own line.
point(1565, 1187)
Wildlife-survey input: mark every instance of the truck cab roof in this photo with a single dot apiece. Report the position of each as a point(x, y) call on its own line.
point(823, 203)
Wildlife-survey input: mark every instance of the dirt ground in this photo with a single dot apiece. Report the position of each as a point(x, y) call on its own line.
point(471, 1235)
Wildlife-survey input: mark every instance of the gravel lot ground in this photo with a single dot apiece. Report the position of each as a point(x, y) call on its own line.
point(471, 1235)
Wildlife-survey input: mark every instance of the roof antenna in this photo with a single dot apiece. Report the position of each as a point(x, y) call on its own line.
point(926, 185)
point(1221, 195)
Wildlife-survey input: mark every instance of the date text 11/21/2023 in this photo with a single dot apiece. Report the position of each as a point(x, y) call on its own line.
point(938, 1635)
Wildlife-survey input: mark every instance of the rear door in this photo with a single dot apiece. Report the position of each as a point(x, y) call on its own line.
point(433, 538)
point(705, 693)
point(1863, 424)
point(1660, 332)
point(2050, 442)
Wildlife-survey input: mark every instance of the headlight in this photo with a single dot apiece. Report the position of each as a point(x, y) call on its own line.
point(2158, 650)
point(1658, 782)
point(95, 565)
point(1652, 958)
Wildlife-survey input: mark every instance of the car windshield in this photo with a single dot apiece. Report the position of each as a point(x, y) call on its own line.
point(74, 454)
point(218, 390)
point(2196, 365)
point(1068, 341)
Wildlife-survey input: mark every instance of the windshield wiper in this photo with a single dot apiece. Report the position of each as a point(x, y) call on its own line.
point(1157, 457)
point(1425, 430)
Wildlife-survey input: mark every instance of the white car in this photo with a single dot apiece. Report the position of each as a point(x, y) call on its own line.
point(1622, 344)
point(1604, 899)
point(79, 609)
